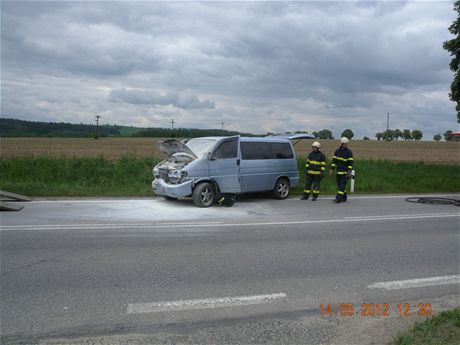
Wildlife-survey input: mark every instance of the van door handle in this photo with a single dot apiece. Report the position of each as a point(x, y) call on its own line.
point(238, 162)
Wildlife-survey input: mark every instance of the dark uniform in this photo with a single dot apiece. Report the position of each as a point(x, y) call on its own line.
point(343, 161)
point(316, 165)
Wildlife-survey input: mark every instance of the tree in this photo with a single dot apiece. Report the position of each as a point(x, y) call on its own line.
point(379, 135)
point(315, 134)
point(416, 134)
point(389, 135)
point(366, 138)
point(325, 134)
point(406, 134)
point(398, 134)
point(453, 47)
point(348, 133)
point(437, 137)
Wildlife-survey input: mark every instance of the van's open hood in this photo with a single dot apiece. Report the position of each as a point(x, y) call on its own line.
point(172, 146)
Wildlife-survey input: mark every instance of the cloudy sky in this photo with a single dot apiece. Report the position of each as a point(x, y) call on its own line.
point(256, 66)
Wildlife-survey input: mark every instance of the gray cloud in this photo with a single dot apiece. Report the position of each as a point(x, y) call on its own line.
point(155, 98)
point(271, 66)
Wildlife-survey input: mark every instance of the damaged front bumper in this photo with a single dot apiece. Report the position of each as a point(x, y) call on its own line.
point(160, 187)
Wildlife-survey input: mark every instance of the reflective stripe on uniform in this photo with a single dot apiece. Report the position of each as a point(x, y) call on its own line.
point(350, 167)
point(306, 190)
point(341, 193)
point(317, 163)
point(341, 172)
point(313, 172)
point(315, 191)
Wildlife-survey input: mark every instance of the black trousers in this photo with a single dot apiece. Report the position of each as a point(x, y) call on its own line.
point(312, 184)
point(342, 180)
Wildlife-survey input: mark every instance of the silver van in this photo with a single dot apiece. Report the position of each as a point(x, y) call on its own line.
point(204, 168)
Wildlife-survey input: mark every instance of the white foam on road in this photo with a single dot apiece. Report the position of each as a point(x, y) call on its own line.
point(224, 225)
point(208, 303)
point(415, 283)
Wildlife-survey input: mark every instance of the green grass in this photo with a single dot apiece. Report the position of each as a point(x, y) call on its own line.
point(45, 176)
point(131, 176)
point(394, 177)
point(442, 329)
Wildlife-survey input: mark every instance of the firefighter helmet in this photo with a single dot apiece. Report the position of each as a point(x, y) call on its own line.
point(316, 144)
point(344, 140)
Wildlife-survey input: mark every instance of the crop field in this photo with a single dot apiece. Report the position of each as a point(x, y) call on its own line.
point(115, 148)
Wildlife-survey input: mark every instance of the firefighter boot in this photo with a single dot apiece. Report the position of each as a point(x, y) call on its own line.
point(305, 196)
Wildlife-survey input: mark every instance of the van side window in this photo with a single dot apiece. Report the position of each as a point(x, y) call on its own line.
point(254, 150)
point(282, 151)
point(227, 149)
point(265, 150)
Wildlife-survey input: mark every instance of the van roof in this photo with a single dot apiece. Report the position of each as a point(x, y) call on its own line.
point(250, 139)
point(263, 139)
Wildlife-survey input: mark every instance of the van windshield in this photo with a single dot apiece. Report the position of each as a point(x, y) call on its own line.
point(201, 147)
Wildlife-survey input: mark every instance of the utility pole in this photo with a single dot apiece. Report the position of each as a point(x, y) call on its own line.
point(222, 128)
point(388, 126)
point(97, 126)
point(172, 124)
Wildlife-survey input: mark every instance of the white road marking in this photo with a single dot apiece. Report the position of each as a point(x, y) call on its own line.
point(216, 225)
point(70, 226)
point(159, 199)
point(208, 303)
point(399, 215)
point(355, 196)
point(414, 283)
point(404, 196)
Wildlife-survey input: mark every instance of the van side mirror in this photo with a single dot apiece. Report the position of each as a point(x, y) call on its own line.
point(211, 157)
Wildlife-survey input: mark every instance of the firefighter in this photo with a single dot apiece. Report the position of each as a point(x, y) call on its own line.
point(342, 161)
point(315, 166)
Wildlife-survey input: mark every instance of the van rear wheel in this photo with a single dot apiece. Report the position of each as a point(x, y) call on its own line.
point(281, 190)
point(204, 195)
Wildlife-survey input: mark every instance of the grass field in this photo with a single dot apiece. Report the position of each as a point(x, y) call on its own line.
point(122, 166)
point(114, 148)
point(131, 176)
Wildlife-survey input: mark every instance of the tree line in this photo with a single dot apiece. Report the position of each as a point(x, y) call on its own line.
point(185, 133)
point(21, 128)
point(395, 134)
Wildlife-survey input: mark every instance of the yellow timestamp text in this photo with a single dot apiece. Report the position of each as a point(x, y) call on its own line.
point(366, 310)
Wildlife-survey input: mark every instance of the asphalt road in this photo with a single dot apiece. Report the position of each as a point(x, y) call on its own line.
point(103, 270)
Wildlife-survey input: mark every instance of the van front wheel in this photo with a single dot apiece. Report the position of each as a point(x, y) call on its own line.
point(204, 195)
point(281, 190)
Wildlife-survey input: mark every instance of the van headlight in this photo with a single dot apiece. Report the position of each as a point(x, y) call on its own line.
point(177, 176)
